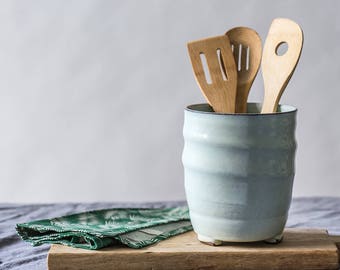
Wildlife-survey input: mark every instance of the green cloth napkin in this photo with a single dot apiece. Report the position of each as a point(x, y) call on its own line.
point(133, 227)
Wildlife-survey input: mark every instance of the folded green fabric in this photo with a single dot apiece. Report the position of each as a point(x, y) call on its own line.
point(133, 227)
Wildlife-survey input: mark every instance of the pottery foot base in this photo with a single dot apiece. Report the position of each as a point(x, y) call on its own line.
point(209, 241)
point(275, 240)
point(215, 242)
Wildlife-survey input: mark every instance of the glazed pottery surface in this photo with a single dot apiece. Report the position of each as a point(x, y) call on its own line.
point(239, 171)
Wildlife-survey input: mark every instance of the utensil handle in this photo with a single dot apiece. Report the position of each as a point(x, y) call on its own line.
point(278, 69)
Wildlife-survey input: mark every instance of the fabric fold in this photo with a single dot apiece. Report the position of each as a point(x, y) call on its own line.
point(134, 227)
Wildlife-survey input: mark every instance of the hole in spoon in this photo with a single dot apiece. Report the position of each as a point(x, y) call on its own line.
point(239, 57)
point(205, 68)
point(248, 57)
point(219, 57)
point(281, 48)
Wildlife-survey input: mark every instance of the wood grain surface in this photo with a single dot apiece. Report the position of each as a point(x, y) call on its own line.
point(278, 69)
point(220, 92)
point(247, 50)
point(300, 249)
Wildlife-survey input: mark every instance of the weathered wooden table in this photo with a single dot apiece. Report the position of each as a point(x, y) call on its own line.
point(300, 249)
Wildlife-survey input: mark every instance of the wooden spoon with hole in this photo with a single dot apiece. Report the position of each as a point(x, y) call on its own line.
point(247, 48)
point(221, 91)
point(278, 69)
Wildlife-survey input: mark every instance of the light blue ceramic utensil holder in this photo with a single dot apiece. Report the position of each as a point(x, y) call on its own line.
point(239, 171)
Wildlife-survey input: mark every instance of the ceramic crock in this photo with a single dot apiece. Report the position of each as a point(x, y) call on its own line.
point(239, 171)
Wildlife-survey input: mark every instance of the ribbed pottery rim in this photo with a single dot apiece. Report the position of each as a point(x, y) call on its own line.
point(291, 109)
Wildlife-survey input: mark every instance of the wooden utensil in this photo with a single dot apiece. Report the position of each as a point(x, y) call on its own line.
point(247, 48)
point(220, 92)
point(278, 69)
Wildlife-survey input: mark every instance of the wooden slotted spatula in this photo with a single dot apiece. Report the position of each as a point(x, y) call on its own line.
point(220, 91)
point(278, 69)
point(247, 48)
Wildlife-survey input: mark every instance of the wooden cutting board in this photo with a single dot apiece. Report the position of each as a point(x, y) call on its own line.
point(300, 249)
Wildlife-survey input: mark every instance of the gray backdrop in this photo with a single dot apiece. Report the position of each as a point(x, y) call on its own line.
point(92, 94)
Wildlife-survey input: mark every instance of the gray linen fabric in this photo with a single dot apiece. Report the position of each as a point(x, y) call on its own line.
point(17, 254)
